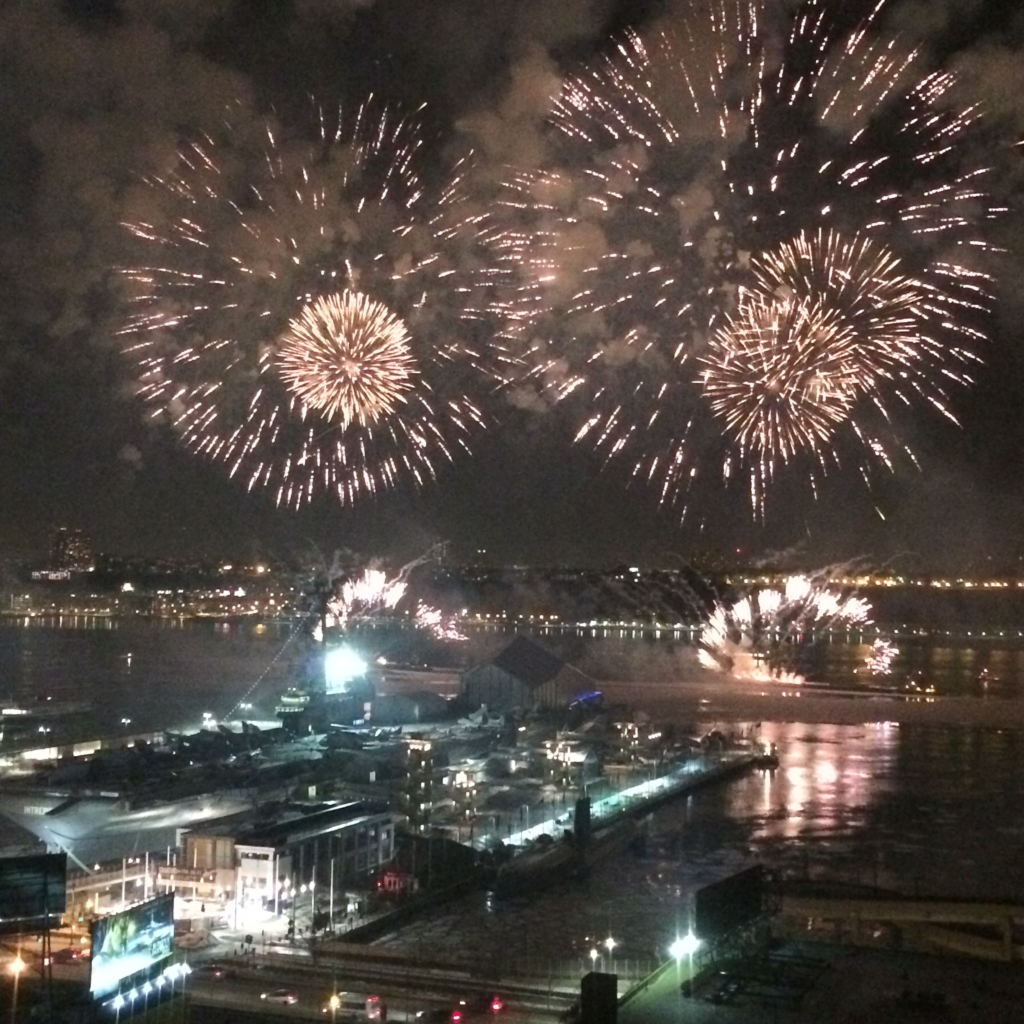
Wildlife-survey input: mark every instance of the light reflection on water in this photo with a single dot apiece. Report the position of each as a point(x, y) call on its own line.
point(936, 809)
point(933, 810)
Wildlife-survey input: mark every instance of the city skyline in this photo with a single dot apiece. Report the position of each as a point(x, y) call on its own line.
point(76, 448)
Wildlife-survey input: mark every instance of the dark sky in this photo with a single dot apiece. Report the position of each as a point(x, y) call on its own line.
point(92, 92)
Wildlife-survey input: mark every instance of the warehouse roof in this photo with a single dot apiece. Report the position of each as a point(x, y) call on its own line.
point(529, 662)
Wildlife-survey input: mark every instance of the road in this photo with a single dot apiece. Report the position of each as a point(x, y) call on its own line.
point(404, 990)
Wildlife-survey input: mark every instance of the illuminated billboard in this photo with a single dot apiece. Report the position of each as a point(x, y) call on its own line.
point(32, 891)
point(130, 942)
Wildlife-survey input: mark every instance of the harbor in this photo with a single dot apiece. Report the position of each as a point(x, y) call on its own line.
point(682, 790)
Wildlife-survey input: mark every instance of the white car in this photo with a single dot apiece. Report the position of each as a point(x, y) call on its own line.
point(285, 996)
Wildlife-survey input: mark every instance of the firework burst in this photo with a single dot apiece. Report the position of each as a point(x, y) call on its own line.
point(711, 168)
point(373, 594)
point(830, 328)
point(298, 311)
point(780, 378)
point(881, 656)
point(752, 637)
point(348, 358)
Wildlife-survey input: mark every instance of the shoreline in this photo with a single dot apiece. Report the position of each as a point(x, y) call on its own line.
point(738, 700)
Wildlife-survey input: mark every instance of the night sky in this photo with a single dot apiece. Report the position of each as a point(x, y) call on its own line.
point(94, 93)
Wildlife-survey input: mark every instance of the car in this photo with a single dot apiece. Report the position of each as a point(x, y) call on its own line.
point(438, 1015)
point(218, 971)
point(62, 956)
point(342, 1002)
point(285, 996)
point(352, 1004)
point(462, 1011)
point(481, 1002)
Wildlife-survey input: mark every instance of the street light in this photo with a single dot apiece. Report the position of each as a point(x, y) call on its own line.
point(334, 1002)
point(685, 946)
point(17, 965)
point(609, 944)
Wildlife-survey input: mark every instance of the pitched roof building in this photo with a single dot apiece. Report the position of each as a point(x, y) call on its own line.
point(524, 676)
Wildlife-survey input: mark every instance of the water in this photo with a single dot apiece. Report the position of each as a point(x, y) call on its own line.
point(926, 808)
point(161, 674)
point(931, 810)
point(167, 673)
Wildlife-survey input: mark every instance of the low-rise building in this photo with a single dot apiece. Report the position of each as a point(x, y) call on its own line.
point(267, 860)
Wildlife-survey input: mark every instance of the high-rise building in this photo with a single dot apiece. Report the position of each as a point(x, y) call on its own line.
point(418, 794)
point(72, 550)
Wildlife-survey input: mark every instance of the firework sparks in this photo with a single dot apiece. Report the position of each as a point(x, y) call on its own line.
point(830, 324)
point(298, 310)
point(881, 656)
point(347, 357)
point(364, 596)
point(372, 594)
point(751, 637)
point(779, 376)
point(726, 193)
point(437, 624)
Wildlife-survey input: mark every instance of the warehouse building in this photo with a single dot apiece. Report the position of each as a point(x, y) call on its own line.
point(524, 676)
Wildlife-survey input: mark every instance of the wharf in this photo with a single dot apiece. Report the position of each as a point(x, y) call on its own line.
point(639, 800)
point(613, 819)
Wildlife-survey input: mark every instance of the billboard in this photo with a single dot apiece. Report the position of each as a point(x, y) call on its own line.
point(728, 904)
point(32, 891)
point(130, 942)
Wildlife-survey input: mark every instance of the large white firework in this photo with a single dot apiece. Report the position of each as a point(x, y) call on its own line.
point(297, 307)
point(830, 326)
point(691, 158)
point(347, 357)
point(752, 636)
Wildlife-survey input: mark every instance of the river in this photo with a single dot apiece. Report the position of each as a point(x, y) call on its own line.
point(918, 803)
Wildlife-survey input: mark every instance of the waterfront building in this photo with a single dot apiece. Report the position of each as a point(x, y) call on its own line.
point(18, 841)
point(265, 860)
point(524, 676)
point(570, 762)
